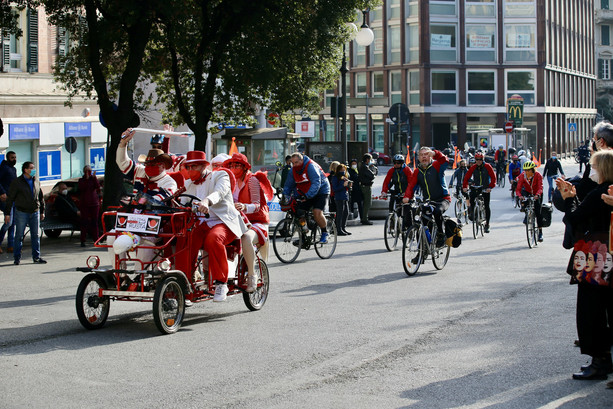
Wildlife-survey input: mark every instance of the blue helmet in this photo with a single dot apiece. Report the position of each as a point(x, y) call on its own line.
point(157, 138)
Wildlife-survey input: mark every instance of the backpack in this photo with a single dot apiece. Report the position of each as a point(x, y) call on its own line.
point(453, 232)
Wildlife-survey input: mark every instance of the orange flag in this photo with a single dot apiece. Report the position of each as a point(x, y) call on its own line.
point(233, 148)
point(407, 160)
point(455, 157)
point(413, 160)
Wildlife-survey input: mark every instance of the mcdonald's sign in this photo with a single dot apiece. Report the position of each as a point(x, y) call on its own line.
point(515, 109)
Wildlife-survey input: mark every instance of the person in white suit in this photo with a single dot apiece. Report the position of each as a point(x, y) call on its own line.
point(223, 224)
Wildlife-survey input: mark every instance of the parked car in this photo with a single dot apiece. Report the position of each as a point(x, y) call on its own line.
point(381, 158)
point(52, 219)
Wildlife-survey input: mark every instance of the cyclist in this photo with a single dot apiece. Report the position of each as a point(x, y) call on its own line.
point(251, 193)
point(500, 158)
point(429, 176)
point(458, 176)
point(551, 170)
point(531, 183)
point(514, 172)
point(482, 175)
point(396, 180)
point(308, 180)
point(522, 157)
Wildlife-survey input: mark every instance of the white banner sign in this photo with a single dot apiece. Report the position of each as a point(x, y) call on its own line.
point(138, 223)
point(479, 41)
point(519, 41)
point(440, 40)
point(306, 129)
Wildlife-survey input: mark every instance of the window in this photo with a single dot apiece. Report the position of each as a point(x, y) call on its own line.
point(412, 43)
point(481, 87)
point(328, 95)
point(605, 38)
point(361, 129)
point(360, 80)
point(480, 8)
point(444, 88)
point(396, 86)
point(522, 82)
point(443, 7)
point(520, 8)
point(377, 84)
point(359, 55)
point(412, 8)
point(393, 48)
point(414, 87)
point(32, 44)
point(376, 48)
point(604, 4)
point(481, 42)
point(520, 42)
point(393, 9)
point(378, 132)
point(443, 42)
point(604, 68)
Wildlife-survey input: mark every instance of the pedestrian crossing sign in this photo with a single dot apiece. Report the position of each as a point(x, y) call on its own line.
point(572, 127)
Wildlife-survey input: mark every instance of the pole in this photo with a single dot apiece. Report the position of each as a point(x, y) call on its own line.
point(368, 126)
point(344, 107)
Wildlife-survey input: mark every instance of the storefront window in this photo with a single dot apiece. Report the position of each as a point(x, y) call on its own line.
point(266, 152)
point(378, 132)
point(360, 128)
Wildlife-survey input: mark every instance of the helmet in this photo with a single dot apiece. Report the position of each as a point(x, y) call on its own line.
point(478, 155)
point(515, 157)
point(521, 152)
point(500, 146)
point(529, 165)
point(471, 161)
point(157, 138)
point(398, 158)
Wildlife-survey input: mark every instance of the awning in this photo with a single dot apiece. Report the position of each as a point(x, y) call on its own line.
point(255, 133)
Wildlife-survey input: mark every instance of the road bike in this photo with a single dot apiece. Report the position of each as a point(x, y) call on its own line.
point(393, 226)
point(299, 230)
point(460, 207)
point(501, 174)
point(531, 229)
point(514, 197)
point(421, 240)
point(478, 211)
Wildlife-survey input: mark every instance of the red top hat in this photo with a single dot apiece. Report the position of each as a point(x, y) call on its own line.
point(238, 158)
point(196, 157)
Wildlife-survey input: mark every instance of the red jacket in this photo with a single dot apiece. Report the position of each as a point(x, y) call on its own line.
point(407, 172)
point(254, 193)
point(481, 176)
point(533, 187)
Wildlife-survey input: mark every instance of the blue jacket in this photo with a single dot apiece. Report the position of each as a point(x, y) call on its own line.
point(314, 173)
point(8, 173)
point(339, 188)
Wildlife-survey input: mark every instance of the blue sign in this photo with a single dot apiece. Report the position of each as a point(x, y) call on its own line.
point(1, 157)
point(77, 129)
point(97, 160)
point(572, 127)
point(49, 165)
point(23, 131)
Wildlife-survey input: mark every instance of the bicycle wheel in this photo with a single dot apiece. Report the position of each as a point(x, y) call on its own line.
point(325, 250)
point(391, 232)
point(412, 256)
point(476, 220)
point(440, 255)
point(255, 300)
point(168, 305)
point(458, 208)
point(530, 229)
point(481, 218)
point(287, 241)
point(92, 309)
point(502, 180)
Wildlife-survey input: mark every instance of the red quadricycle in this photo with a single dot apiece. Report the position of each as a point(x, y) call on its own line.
point(147, 241)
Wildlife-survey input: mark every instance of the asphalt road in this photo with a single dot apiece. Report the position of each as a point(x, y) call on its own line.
point(493, 329)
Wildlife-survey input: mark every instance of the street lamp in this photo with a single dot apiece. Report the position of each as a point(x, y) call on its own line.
point(364, 37)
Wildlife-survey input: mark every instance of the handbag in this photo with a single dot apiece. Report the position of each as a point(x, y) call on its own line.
point(591, 261)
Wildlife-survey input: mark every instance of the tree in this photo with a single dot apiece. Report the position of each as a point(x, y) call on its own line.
point(222, 59)
point(109, 40)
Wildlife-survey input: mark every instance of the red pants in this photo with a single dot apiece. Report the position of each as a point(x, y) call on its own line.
point(89, 222)
point(214, 241)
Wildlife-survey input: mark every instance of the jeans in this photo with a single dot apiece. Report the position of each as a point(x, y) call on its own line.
point(552, 184)
point(23, 219)
point(10, 227)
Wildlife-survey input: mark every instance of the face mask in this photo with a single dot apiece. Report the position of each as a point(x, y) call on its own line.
point(354, 166)
point(152, 171)
point(340, 174)
point(64, 192)
point(594, 176)
point(194, 175)
point(13, 162)
point(33, 173)
point(88, 173)
point(238, 172)
point(184, 173)
point(553, 157)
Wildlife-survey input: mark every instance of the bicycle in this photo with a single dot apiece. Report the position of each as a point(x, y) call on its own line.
point(393, 226)
point(531, 229)
point(461, 208)
point(299, 230)
point(420, 240)
point(478, 212)
point(513, 195)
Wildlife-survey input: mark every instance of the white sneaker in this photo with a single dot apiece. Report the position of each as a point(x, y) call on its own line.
point(252, 283)
point(221, 291)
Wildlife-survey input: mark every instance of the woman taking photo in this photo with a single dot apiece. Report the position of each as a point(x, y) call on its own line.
point(590, 220)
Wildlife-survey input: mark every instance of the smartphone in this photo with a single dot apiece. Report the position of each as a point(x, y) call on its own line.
point(594, 145)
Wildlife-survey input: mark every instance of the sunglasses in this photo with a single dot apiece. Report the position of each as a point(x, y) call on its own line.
point(398, 163)
point(235, 165)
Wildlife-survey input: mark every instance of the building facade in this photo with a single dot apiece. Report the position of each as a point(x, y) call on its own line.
point(455, 63)
point(604, 54)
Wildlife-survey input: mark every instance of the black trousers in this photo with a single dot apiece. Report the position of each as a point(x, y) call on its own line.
point(486, 202)
point(342, 213)
point(594, 306)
